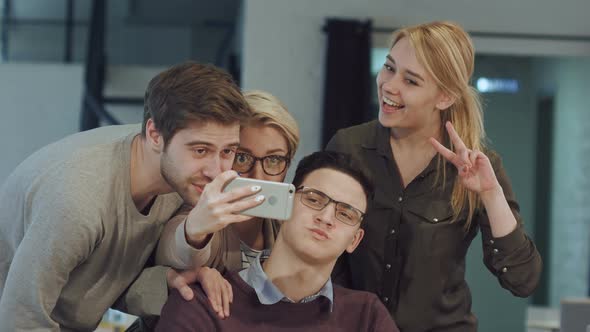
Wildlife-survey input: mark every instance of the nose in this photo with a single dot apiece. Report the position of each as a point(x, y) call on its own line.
point(391, 84)
point(257, 172)
point(214, 167)
point(326, 215)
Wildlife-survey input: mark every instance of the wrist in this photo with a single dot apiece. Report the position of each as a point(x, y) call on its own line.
point(170, 274)
point(491, 195)
point(200, 273)
point(196, 240)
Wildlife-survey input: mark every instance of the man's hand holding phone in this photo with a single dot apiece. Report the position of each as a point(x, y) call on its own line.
point(217, 209)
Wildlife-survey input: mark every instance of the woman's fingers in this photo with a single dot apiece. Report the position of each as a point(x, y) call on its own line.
point(186, 292)
point(457, 141)
point(210, 282)
point(473, 155)
point(462, 151)
point(218, 300)
point(446, 153)
point(230, 291)
point(225, 297)
point(463, 158)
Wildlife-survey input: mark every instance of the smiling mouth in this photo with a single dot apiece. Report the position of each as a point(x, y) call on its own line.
point(391, 105)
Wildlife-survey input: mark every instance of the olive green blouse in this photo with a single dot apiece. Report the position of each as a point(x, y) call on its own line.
point(412, 255)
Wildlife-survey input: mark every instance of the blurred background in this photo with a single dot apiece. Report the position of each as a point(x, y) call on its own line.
point(71, 65)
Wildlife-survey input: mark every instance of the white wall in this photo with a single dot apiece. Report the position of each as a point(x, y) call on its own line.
point(283, 54)
point(40, 104)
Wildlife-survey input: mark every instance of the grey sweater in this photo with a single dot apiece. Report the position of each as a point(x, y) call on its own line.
point(72, 242)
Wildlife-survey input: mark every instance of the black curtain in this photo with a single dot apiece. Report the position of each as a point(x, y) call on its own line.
point(94, 74)
point(347, 85)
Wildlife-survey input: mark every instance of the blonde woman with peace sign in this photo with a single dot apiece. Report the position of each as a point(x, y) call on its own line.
point(437, 185)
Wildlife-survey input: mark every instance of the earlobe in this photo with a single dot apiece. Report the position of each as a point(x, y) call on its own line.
point(358, 236)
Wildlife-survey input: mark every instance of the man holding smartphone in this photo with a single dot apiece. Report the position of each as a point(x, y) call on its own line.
point(80, 218)
point(292, 289)
point(268, 142)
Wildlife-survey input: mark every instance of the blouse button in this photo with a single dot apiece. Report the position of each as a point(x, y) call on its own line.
point(495, 251)
point(385, 299)
point(399, 199)
point(387, 266)
point(505, 269)
point(392, 231)
point(491, 241)
point(435, 219)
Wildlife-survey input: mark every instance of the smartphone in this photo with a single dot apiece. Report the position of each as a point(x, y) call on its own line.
point(278, 198)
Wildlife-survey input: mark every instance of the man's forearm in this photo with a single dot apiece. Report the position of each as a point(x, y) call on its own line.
point(197, 240)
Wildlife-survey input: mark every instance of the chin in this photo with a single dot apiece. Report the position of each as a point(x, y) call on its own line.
point(386, 120)
point(309, 254)
point(190, 197)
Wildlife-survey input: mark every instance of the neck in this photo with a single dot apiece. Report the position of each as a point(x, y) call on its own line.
point(414, 140)
point(294, 277)
point(250, 232)
point(146, 180)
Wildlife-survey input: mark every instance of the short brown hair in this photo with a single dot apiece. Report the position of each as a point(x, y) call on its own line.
point(192, 92)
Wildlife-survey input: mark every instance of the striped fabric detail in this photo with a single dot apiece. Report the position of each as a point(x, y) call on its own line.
point(249, 255)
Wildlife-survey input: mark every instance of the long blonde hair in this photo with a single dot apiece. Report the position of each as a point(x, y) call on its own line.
point(447, 53)
point(268, 110)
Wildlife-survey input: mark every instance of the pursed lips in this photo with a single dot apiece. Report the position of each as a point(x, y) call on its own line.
point(199, 187)
point(320, 233)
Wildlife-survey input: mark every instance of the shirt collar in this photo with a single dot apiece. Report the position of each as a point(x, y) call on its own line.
point(268, 293)
point(379, 141)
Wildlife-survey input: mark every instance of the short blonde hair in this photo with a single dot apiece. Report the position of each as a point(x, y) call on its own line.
point(268, 110)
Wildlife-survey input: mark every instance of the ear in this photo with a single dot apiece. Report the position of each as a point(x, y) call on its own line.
point(444, 101)
point(153, 137)
point(358, 236)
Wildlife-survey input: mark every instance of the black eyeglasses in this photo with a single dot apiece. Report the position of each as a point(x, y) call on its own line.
point(317, 200)
point(271, 165)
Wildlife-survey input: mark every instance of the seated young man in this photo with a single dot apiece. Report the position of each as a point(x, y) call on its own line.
point(292, 289)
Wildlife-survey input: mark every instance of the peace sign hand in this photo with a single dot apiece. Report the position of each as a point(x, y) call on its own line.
point(474, 167)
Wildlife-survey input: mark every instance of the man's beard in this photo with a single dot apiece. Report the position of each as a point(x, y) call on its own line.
point(182, 187)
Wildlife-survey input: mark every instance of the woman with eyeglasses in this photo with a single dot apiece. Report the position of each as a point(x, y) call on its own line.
point(267, 145)
point(437, 186)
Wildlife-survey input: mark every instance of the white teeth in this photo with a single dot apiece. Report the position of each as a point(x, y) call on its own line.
point(391, 102)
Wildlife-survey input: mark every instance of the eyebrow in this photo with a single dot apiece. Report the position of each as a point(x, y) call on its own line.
point(352, 206)
point(209, 144)
point(267, 152)
point(407, 70)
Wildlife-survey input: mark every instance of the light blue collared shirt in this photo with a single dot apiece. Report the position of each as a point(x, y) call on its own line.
point(268, 293)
